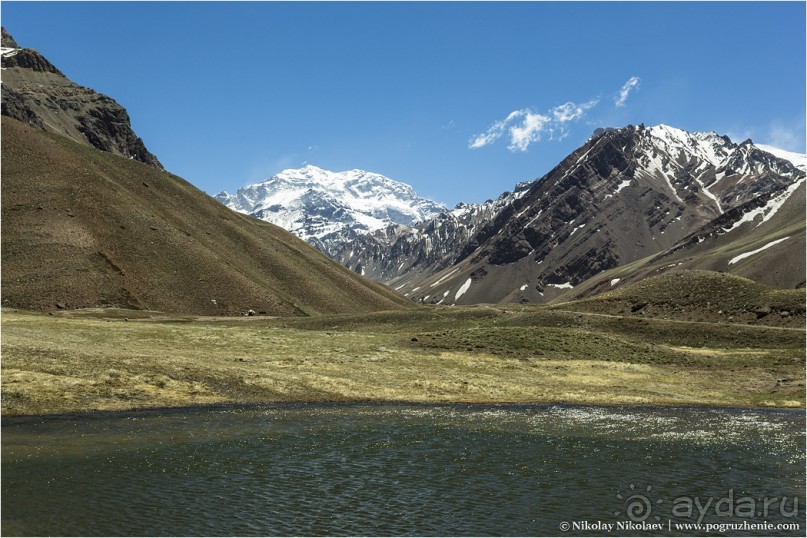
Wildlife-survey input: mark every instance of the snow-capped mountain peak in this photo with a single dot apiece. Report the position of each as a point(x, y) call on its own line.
point(703, 165)
point(705, 146)
point(710, 147)
point(325, 207)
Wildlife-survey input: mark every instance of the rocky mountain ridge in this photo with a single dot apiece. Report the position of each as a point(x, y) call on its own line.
point(624, 195)
point(35, 92)
point(427, 246)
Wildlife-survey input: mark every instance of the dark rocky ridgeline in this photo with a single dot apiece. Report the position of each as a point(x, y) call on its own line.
point(34, 91)
point(14, 106)
point(6, 40)
point(107, 127)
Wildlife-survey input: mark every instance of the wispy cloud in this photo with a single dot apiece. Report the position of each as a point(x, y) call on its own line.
point(526, 126)
point(571, 112)
point(629, 86)
point(496, 130)
point(527, 131)
point(790, 138)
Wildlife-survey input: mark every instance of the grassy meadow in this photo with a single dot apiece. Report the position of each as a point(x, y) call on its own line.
point(107, 359)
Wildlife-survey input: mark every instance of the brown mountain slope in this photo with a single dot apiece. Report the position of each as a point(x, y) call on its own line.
point(767, 247)
point(85, 228)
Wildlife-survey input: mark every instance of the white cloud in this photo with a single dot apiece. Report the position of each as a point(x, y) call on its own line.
point(488, 137)
point(630, 85)
point(570, 111)
point(526, 126)
point(529, 131)
point(495, 131)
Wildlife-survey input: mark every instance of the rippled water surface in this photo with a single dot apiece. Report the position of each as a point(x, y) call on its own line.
point(393, 469)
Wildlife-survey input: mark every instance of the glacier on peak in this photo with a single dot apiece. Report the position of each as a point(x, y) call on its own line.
point(322, 206)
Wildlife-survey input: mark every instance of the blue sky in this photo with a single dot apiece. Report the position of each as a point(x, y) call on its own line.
point(461, 100)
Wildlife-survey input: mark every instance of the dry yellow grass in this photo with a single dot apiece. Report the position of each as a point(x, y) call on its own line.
point(54, 364)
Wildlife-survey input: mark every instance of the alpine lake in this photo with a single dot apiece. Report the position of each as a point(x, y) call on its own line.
point(405, 469)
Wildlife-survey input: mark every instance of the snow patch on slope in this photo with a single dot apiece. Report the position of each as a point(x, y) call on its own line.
point(768, 210)
point(622, 185)
point(436, 282)
point(564, 286)
point(463, 289)
point(757, 251)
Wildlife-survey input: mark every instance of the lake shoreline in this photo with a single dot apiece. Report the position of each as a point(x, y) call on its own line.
point(12, 419)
